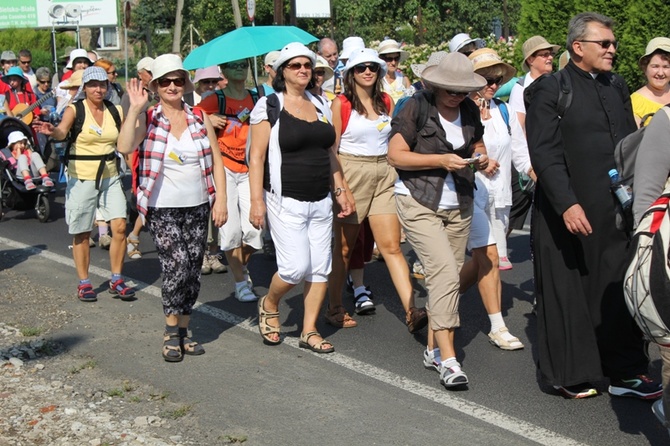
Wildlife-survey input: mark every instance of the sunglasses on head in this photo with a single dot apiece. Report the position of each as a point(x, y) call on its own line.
point(390, 58)
point(233, 66)
point(604, 44)
point(295, 66)
point(496, 80)
point(166, 81)
point(361, 67)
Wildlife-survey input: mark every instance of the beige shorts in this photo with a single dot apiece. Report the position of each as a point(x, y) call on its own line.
point(371, 181)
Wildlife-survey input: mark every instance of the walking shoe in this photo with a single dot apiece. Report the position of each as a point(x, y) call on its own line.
point(504, 264)
point(244, 293)
point(85, 293)
point(659, 411)
point(133, 248)
point(205, 268)
point(363, 302)
point(104, 241)
point(417, 270)
point(452, 376)
point(578, 391)
point(215, 264)
point(640, 386)
point(430, 361)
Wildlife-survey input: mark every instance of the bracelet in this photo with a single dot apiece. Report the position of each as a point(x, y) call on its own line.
point(339, 191)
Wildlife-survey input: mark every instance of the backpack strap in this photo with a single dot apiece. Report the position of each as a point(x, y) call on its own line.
point(222, 101)
point(504, 111)
point(345, 111)
point(273, 109)
point(422, 115)
point(564, 92)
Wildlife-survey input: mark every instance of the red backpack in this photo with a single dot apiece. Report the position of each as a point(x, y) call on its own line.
point(346, 108)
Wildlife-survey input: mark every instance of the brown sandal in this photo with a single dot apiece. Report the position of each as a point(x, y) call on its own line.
point(338, 317)
point(263, 326)
point(317, 347)
point(416, 319)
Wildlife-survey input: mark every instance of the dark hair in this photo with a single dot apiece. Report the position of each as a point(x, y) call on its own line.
point(644, 61)
point(279, 82)
point(377, 94)
point(577, 27)
point(25, 53)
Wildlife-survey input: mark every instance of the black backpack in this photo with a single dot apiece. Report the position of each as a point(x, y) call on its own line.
point(260, 91)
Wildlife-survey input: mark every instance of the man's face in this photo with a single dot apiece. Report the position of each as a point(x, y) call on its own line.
point(236, 70)
point(329, 52)
point(24, 63)
point(145, 76)
point(596, 58)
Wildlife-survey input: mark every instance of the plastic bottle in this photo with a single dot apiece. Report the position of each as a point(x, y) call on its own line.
point(623, 192)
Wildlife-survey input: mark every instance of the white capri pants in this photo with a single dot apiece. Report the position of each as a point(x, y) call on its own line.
point(301, 231)
point(238, 230)
point(481, 231)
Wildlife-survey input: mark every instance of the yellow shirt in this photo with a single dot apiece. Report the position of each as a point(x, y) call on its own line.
point(94, 140)
point(643, 106)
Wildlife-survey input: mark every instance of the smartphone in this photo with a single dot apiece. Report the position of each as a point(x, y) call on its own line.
point(469, 160)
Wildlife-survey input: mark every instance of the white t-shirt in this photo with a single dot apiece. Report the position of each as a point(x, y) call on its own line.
point(366, 137)
point(516, 96)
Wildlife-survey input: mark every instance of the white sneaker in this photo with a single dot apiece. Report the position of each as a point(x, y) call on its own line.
point(215, 264)
point(104, 241)
point(244, 293)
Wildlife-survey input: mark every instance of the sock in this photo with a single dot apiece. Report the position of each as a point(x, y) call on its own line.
point(86, 281)
point(238, 285)
point(435, 354)
point(115, 277)
point(359, 290)
point(102, 230)
point(497, 322)
point(452, 364)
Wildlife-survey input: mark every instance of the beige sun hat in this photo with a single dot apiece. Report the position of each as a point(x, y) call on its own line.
point(434, 59)
point(488, 57)
point(390, 46)
point(323, 63)
point(657, 43)
point(455, 72)
point(536, 43)
point(145, 64)
point(167, 63)
point(73, 81)
point(271, 57)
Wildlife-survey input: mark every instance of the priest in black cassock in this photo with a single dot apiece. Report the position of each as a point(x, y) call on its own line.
point(585, 332)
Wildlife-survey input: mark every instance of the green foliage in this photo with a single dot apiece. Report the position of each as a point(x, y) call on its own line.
point(37, 41)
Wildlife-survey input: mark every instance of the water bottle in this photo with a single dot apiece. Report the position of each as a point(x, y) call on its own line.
point(623, 192)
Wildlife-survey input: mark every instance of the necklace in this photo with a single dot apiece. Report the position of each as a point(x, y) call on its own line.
point(298, 110)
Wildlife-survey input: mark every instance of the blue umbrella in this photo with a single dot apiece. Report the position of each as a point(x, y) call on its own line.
point(243, 43)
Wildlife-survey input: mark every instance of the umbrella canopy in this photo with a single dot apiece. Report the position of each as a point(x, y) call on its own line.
point(245, 42)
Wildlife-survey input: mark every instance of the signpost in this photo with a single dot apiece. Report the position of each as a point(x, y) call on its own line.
point(251, 12)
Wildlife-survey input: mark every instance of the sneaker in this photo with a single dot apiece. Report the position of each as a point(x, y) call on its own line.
point(452, 376)
point(431, 362)
point(215, 264)
point(363, 302)
point(659, 411)
point(244, 293)
point(578, 391)
point(205, 268)
point(417, 270)
point(104, 241)
point(504, 264)
point(640, 386)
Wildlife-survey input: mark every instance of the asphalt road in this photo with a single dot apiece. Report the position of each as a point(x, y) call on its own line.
point(373, 390)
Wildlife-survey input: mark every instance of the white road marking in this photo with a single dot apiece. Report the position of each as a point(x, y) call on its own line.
point(432, 393)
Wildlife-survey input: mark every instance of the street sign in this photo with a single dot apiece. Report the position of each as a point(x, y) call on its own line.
point(251, 9)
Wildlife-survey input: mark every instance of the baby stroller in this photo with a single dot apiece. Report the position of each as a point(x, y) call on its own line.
point(13, 193)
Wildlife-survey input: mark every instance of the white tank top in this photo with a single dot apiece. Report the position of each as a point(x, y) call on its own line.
point(365, 137)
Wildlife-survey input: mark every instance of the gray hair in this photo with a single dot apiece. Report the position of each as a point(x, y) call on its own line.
point(577, 27)
point(43, 73)
point(324, 41)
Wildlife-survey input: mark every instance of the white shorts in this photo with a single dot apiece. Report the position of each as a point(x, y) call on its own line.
point(238, 230)
point(301, 231)
point(481, 231)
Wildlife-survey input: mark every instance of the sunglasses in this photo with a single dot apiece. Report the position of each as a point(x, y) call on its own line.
point(604, 44)
point(113, 73)
point(295, 66)
point(25, 62)
point(320, 72)
point(208, 81)
point(43, 82)
point(455, 93)
point(390, 58)
point(166, 81)
point(496, 81)
point(235, 66)
point(361, 68)
point(545, 54)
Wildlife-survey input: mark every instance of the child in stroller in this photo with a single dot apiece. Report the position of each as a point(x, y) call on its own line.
point(28, 162)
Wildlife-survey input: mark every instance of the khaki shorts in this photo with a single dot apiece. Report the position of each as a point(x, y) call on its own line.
point(82, 199)
point(371, 181)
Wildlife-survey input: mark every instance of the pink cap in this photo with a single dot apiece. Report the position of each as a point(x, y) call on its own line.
point(207, 73)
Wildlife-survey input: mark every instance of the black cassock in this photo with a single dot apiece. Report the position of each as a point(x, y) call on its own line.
point(585, 331)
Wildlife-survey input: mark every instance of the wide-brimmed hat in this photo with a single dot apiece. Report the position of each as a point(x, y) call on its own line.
point(323, 63)
point(8, 55)
point(460, 40)
point(390, 46)
point(78, 53)
point(364, 55)
point(14, 71)
point(455, 72)
point(271, 58)
point(434, 59)
point(207, 73)
point(657, 43)
point(167, 63)
point(145, 64)
point(92, 74)
point(487, 57)
point(15, 137)
point(536, 43)
point(76, 80)
point(293, 49)
point(349, 44)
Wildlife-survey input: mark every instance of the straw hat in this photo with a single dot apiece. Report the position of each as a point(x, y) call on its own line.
point(434, 59)
point(167, 63)
point(349, 44)
point(207, 73)
point(294, 49)
point(73, 81)
point(487, 57)
point(323, 63)
point(390, 46)
point(460, 40)
point(455, 72)
point(364, 55)
point(536, 43)
point(657, 43)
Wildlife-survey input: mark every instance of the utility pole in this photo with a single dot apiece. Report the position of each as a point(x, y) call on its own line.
point(236, 13)
point(176, 42)
point(279, 12)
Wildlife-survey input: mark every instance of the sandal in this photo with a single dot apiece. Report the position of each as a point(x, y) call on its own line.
point(121, 290)
point(338, 317)
point(499, 340)
point(187, 345)
point(263, 326)
point(318, 347)
point(416, 319)
point(171, 347)
point(133, 249)
point(85, 293)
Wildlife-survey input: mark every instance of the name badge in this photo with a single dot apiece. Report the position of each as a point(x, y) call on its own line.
point(177, 156)
point(381, 125)
point(95, 130)
point(244, 114)
point(324, 119)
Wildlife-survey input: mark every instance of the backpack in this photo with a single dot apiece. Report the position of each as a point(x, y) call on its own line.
point(346, 108)
point(647, 278)
point(222, 99)
point(564, 91)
